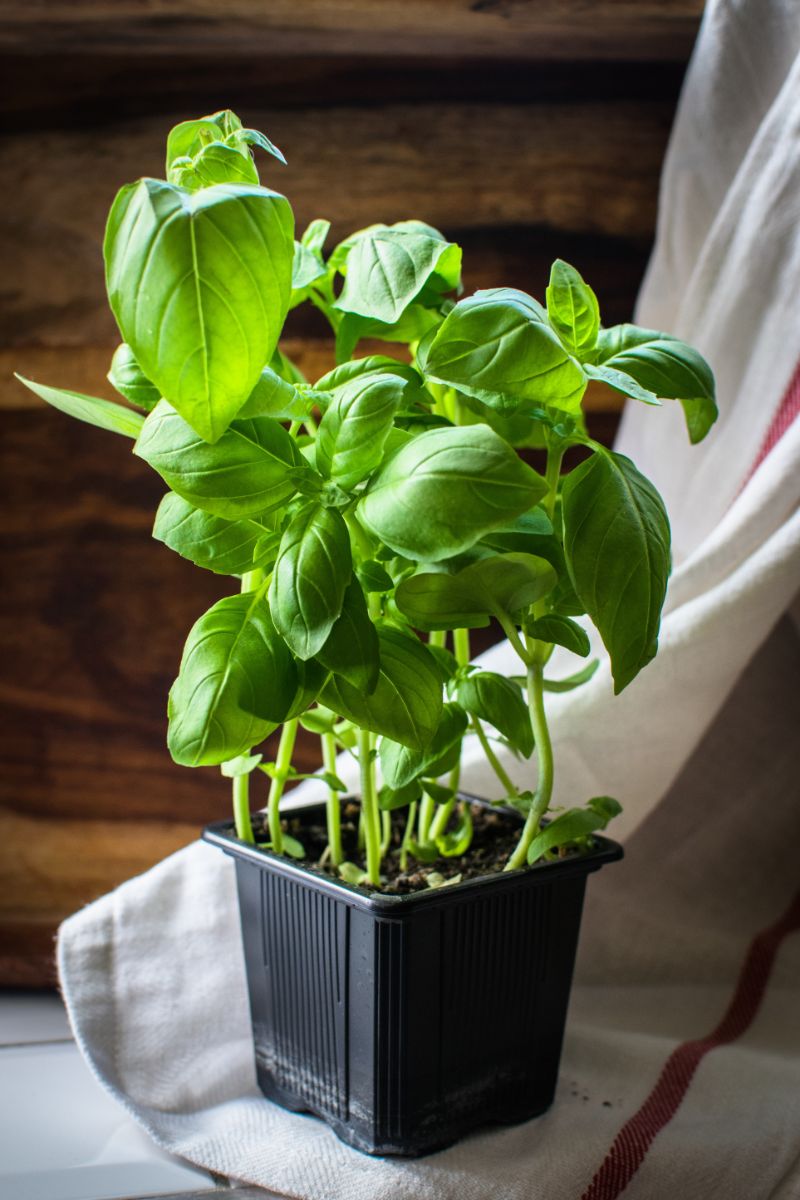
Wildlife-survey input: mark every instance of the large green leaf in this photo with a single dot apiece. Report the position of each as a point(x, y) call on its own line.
point(251, 468)
point(351, 649)
point(129, 379)
point(406, 703)
point(102, 413)
point(665, 367)
point(227, 547)
point(313, 569)
point(498, 700)
point(572, 308)
point(353, 431)
point(388, 266)
point(199, 283)
point(617, 547)
point(400, 764)
point(445, 489)
point(237, 681)
point(498, 346)
point(502, 585)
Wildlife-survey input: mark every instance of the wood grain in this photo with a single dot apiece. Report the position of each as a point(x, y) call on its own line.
point(576, 169)
point(597, 29)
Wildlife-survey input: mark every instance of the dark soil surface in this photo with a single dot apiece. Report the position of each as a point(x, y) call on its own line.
point(495, 834)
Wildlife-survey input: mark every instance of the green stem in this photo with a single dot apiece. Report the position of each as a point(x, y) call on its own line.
point(552, 474)
point(332, 807)
point(241, 808)
point(369, 807)
point(276, 788)
point(444, 811)
point(544, 753)
point(438, 637)
point(408, 835)
point(493, 760)
point(386, 831)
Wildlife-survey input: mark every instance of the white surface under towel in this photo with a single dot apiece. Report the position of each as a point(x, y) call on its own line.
point(679, 1074)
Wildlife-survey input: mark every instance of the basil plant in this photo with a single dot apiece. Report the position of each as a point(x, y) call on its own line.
point(371, 518)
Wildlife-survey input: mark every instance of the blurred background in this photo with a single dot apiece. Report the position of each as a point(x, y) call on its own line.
point(524, 131)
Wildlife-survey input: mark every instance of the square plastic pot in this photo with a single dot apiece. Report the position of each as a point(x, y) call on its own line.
point(406, 1021)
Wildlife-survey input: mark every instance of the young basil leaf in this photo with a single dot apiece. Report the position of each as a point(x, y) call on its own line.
point(373, 364)
point(352, 874)
point(498, 347)
point(353, 431)
point(130, 381)
point(392, 798)
point(501, 585)
point(457, 841)
point(275, 397)
point(315, 235)
point(307, 268)
point(438, 792)
point(407, 701)
point(212, 164)
point(243, 764)
point(400, 764)
point(310, 577)
point(493, 698)
point(617, 547)
point(90, 409)
point(572, 681)
point(237, 680)
point(373, 577)
point(414, 325)
point(226, 547)
point(574, 825)
point(318, 720)
point(425, 854)
point(388, 266)
point(623, 383)
point(665, 366)
point(247, 471)
point(560, 631)
point(572, 308)
point(351, 649)
point(438, 494)
point(199, 283)
point(190, 139)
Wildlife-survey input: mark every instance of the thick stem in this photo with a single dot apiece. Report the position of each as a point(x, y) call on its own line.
point(241, 808)
point(283, 762)
point(427, 807)
point(332, 807)
point(544, 753)
point(369, 807)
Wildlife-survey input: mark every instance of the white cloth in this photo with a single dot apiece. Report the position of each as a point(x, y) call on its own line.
point(701, 749)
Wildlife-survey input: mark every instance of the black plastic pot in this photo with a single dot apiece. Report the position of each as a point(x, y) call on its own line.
point(406, 1021)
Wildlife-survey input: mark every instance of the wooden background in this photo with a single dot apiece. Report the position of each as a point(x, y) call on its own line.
point(523, 130)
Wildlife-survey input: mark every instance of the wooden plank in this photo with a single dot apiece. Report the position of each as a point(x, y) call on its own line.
point(597, 29)
point(587, 169)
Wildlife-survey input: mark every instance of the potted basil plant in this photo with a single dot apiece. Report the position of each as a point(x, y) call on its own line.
point(409, 953)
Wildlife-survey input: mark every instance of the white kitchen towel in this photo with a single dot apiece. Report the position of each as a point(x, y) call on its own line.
point(681, 1059)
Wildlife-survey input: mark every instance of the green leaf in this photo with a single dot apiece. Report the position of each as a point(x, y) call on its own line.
point(311, 574)
point(561, 631)
point(572, 308)
point(353, 432)
point(351, 873)
point(199, 283)
point(315, 235)
point(318, 720)
point(388, 266)
point(275, 397)
point(243, 764)
point(502, 585)
point(226, 547)
point(456, 842)
point(249, 470)
point(401, 764)
point(392, 798)
point(237, 681)
point(214, 149)
point(90, 409)
point(292, 846)
point(373, 364)
point(129, 379)
point(415, 324)
point(373, 577)
point(445, 660)
point(666, 367)
point(445, 489)
point(493, 698)
point(617, 547)
point(214, 163)
point(426, 854)
point(574, 825)
point(620, 382)
point(407, 701)
point(572, 681)
point(351, 649)
point(498, 347)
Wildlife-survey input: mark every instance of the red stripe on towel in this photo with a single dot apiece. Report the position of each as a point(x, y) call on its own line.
point(788, 410)
point(635, 1138)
